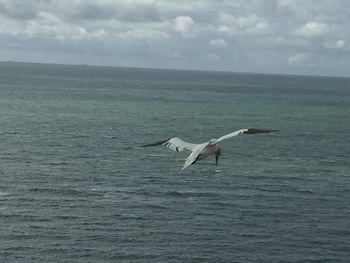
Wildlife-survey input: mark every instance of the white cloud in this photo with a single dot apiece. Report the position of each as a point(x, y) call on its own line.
point(149, 31)
point(213, 57)
point(313, 29)
point(224, 29)
point(297, 58)
point(63, 32)
point(284, 3)
point(218, 42)
point(139, 34)
point(248, 24)
point(340, 44)
point(183, 23)
point(247, 21)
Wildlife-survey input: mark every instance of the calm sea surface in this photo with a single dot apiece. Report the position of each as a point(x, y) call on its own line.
point(76, 187)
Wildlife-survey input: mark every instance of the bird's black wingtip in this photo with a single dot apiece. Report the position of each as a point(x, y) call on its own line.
point(156, 143)
point(255, 130)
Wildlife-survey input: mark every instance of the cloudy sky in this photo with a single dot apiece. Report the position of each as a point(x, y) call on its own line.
point(269, 36)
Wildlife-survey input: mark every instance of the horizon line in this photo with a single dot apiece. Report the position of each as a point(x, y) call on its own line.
point(175, 69)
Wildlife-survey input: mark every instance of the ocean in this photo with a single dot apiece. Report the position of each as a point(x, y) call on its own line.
point(75, 185)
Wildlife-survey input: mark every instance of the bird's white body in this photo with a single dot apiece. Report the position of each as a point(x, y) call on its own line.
point(203, 150)
point(200, 152)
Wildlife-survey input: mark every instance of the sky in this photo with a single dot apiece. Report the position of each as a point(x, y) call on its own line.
point(309, 37)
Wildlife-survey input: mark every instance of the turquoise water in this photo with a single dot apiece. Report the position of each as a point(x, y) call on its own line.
point(76, 187)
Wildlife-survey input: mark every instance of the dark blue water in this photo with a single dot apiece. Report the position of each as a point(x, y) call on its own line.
point(76, 187)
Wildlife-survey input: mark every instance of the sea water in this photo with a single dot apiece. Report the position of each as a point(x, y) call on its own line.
point(75, 185)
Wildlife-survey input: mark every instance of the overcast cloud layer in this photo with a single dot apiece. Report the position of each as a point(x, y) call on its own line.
point(271, 36)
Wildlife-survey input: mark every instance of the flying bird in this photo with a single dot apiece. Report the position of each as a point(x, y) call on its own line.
point(203, 150)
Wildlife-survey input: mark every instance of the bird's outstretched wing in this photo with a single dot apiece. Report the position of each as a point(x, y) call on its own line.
point(174, 144)
point(243, 131)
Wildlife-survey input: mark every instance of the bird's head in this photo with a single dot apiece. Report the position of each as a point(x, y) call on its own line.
point(212, 141)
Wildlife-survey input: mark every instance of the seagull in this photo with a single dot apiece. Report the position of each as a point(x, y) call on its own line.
point(203, 150)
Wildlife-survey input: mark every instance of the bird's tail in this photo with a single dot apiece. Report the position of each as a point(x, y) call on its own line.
point(188, 162)
point(185, 166)
point(191, 159)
